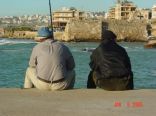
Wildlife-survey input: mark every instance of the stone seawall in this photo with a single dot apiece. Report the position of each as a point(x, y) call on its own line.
point(78, 30)
point(91, 30)
point(128, 31)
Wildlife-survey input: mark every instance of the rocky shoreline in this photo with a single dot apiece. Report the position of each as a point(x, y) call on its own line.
point(91, 30)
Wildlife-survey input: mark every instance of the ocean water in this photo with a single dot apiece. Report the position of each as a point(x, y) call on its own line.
point(14, 58)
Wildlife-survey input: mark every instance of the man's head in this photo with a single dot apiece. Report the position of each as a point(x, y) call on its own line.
point(44, 33)
point(108, 35)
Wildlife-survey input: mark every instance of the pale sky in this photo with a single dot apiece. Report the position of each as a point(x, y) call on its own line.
point(21, 7)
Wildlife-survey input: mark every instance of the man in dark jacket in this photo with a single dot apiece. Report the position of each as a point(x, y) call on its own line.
point(110, 64)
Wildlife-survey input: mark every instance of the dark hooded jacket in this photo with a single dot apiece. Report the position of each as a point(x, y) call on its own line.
point(109, 60)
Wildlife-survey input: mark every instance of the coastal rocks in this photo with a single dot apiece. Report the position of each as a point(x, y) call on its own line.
point(91, 30)
point(1, 32)
point(58, 35)
point(25, 34)
point(153, 24)
point(151, 42)
point(20, 34)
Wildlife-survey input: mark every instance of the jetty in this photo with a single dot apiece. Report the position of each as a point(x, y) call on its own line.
point(77, 102)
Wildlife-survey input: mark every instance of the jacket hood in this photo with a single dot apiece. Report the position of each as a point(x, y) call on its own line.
point(108, 36)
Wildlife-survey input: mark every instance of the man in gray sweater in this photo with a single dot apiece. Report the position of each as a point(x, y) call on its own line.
point(51, 65)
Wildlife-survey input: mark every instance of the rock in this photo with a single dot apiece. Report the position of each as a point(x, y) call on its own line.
point(151, 42)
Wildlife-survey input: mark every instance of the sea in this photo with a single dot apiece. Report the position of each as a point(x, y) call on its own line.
point(15, 54)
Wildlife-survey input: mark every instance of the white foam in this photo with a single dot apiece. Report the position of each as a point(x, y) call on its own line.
point(126, 47)
point(5, 41)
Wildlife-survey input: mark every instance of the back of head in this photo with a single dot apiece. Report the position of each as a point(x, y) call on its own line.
point(44, 33)
point(108, 36)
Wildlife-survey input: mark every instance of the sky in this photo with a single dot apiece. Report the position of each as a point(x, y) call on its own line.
point(21, 7)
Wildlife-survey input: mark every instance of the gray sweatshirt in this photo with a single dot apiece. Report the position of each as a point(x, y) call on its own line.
point(52, 60)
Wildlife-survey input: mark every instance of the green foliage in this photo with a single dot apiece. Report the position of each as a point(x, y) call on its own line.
point(19, 28)
point(73, 8)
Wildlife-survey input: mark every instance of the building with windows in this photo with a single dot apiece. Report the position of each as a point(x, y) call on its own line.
point(111, 13)
point(122, 10)
point(145, 14)
point(154, 12)
point(61, 17)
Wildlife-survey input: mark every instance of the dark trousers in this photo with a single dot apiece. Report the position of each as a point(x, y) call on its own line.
point(111, 84)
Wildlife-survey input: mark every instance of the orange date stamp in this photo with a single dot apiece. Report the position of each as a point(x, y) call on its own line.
point(135, 104)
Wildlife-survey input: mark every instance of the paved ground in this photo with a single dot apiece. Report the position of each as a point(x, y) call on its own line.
point(77, 102)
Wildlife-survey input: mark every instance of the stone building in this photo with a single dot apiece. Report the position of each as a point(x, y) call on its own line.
point(111, 13)
point(154, 12)
point(61, 17)
point(140, 14)
point(145, 14)
point(122, 10)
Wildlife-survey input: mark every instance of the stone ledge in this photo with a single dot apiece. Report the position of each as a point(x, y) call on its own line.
point(77, 102)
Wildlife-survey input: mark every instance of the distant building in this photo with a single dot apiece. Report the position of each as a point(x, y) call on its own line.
point(111, 13)
point(61, 17)
point(121, 10)
point(145, 14)
point(154, 12)
point(95, 15)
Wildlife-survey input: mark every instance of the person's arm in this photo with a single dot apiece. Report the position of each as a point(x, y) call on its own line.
point(33, 59)
point(90, 82)
point(92, 63)
point(128, 64)
point(70, 63)
point(70, 60)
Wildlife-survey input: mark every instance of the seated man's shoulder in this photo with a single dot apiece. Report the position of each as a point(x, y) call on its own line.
point(61, 45)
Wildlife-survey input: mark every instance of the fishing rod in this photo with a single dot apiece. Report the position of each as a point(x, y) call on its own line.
point(50, 15)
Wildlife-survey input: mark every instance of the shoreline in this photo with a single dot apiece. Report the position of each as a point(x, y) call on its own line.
point(77, 102)
point(13, 38)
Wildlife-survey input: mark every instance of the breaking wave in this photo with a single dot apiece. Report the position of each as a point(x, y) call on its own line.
point(4, 41)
